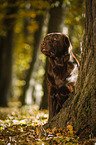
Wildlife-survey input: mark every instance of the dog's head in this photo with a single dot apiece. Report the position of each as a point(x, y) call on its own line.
point(55, 45)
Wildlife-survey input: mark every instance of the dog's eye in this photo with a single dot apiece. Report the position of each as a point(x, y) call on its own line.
point(43, 43)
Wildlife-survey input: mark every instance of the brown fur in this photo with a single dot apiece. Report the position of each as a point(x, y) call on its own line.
point(55, 46)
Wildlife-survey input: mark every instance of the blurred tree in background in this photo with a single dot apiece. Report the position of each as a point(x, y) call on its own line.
point(23, 25)
point(8, 16)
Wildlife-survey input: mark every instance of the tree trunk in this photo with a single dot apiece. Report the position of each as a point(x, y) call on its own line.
point(79, 109)
point(44, 101)
point(6, 50)
point(56, 19)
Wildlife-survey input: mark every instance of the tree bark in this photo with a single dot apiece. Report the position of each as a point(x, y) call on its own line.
point(79, 109)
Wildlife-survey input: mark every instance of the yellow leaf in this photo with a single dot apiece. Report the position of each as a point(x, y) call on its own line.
point(70, 128)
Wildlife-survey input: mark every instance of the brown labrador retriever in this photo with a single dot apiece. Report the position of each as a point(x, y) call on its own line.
point(56, 47)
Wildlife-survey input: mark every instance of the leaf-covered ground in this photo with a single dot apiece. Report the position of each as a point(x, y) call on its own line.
point(24, 126)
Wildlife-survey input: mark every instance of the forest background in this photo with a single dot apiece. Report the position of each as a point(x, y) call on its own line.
point(23, 25)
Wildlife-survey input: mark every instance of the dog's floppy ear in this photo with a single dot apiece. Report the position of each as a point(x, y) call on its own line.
point(66, 43)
